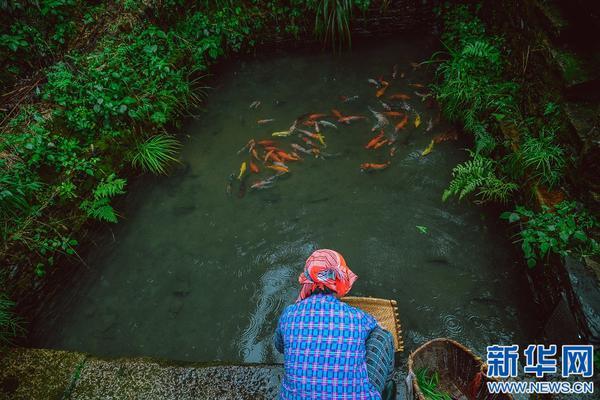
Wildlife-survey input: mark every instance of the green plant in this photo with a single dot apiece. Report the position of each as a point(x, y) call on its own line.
point(543, 158)
point(155, 153)
point(565, 230)
point(10, 325)
point(429, 385)
point(99, 206)
point(478, 175)
point(332, 20)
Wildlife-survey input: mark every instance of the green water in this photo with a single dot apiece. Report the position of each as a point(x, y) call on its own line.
point(193, 274)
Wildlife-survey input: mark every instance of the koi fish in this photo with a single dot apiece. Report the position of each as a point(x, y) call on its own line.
point(416, 85)
point(309, 142)
point(317, 127)
point(428, 149)
point(379, 144)
point(381, 90)
point(287, 157)
point(278, 168)
point(399, 96)
point(282, 133)
point(348, 99)
point(382, 121)
point(255, 154)
point(273, 156)
point(395, 71)
point(385, 106)
point(401, 124)
point(254, 167)
point(374, 140)
point(301, 149)
point(265, 183)
point(405, 106)
point(255, 104)
point(442, 137)
point(365, 167)
point(417, 120)
point(265, 121)
point(336, 113)
point(308, 134)
point(429, 125)
point(374, 83)
point(267, 143)
point(242, 188)
point(242, 170)
point(393, 151)
point(350, 118)
point(328, 124)
point(230, 180)
point(249, 145)
point(312, 117)
point(393, 113)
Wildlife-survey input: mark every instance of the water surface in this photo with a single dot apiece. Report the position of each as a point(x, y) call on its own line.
point(193, 274)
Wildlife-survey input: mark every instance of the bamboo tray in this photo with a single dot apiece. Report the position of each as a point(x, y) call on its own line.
point(385, 312)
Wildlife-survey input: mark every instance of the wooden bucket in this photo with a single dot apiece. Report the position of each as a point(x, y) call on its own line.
point(461, 372)
point(385, 312)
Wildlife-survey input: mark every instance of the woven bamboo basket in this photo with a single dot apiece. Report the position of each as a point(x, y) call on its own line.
point(385, 312)
point(461, 372)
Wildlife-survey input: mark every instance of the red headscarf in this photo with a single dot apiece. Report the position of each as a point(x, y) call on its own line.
point(326, 269)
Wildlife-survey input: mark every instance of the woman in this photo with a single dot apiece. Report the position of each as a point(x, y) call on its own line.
point(331, 350)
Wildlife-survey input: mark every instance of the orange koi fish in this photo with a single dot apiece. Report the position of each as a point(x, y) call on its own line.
point(382, 90)
point(267, 142)
point(379, 144)
point(374, 140)
point(401, 124)
point(336, 113)
point(255, 154)
point(286, 157)
point(399, 96)
point(271, 155)
point(365, 167)
point(393, 113)
point(254, 168)
point(312, 117)
point(278, 168)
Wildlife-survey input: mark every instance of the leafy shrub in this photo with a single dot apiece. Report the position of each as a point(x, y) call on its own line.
point(477, 175)
point(565, 230)
point(99, 206)
point(10, 325)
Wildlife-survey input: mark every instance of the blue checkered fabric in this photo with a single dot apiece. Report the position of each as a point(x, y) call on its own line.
point(323, 342)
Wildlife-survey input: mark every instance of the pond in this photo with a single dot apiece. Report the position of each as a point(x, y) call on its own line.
point(192, 273)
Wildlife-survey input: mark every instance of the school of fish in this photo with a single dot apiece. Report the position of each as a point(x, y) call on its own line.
point(305, 137)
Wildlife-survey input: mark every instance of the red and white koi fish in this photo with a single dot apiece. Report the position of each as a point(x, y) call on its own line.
point(350, 118)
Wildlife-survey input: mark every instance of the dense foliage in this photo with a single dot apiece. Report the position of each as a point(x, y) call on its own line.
point(99, 87)
point(511, 151)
